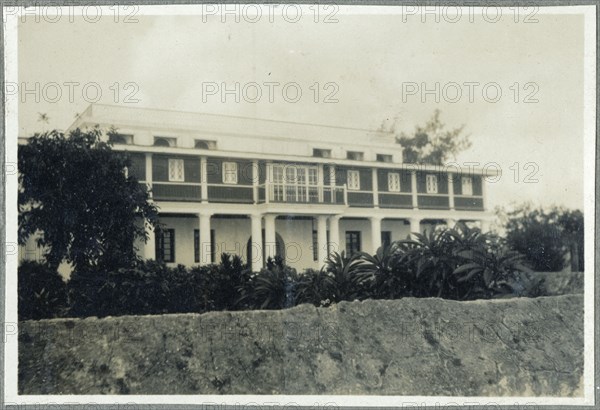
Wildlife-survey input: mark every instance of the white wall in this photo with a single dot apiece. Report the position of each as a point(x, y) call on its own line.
point(297, 236)
point(231, 236)
point(184, 237)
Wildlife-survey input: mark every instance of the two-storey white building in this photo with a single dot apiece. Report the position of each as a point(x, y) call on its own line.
point(220, 182)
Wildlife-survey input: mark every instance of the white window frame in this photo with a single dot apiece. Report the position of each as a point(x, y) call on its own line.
point(466, 186)
point(431, 184)
point(294, 182)
point(176, 165)
point(393, 182)
point(230, 172)
point(353, 180)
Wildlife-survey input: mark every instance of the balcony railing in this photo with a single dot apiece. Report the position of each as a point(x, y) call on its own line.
point(302, 194)
point(468, 203)
point(309, 194)
point(168, 191)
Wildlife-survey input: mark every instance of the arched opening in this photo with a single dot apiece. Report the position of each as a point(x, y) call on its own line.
point(279, 248)
point(201, 145)
point(161, 142)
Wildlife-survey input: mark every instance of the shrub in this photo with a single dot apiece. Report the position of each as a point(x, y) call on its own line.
point(153, 288)
point(219, 284)
point(489, 269)
point(350, 280)
point(460, 263)
point(41, 291)
point(315, 287)
point(143, 289)
point(271, 288)
point(545, 236)
point(389, 274)
point(430, 260)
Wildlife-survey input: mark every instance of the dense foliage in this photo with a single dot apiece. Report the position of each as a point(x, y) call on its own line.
point(42, 292)
point(459, 263)
point(75, 190)
point(545, 237)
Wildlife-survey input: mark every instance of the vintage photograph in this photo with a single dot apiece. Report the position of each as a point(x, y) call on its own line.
point(317, 205)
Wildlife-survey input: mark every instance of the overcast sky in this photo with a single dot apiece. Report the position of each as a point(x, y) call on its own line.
point(371, 59)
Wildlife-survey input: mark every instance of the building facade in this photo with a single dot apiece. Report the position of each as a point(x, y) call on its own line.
point(260, 188)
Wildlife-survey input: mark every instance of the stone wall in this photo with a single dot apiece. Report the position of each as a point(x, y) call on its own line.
point(514, 347)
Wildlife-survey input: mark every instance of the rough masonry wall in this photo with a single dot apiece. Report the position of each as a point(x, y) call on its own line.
point(516, 347)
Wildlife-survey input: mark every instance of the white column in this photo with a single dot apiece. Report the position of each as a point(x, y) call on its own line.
point(149, 172)
point(203, 179)
point(270, 237)
point(268, 180)
point(375, 234)
point(413, 186)
point(375, 187)
point(450, 222)
point(334, 234)
point(451, 190)
point(150, 245)
point(321, 239)
point(415, 225)
point(255, 180)
point(205, 243)
point(257, 245)
point(321, 182)
point(332, 175)
point(332, 182)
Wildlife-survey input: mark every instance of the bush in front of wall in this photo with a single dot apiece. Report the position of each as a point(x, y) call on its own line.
point(460, 263)
point(42, 293)
point(274, 287)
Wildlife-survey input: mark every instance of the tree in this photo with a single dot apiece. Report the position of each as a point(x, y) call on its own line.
point(75, 192)
point(571, 223)
point(432, 143)
point(545, 236)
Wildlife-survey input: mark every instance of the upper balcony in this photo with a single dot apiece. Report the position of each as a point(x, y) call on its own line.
point(254, 182)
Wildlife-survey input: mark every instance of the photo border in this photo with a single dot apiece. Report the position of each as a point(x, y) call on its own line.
point(592, 246)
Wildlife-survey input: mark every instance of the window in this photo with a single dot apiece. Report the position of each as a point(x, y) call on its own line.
point(355, 155)
point(176, 170)
point(197, 246)
point(321, 153)
point(431, 184)
point(294, 183)
point(352, 242)
point(205, 144)
point(384, 158)
point(230, 174)
point(163, 142)
point(165, 245)
point(393, 182)
point(467, 185)
point(353, 180)
point(120, 139)
point(386, 239)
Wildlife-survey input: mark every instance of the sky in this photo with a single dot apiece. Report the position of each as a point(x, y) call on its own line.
point(369, 69)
